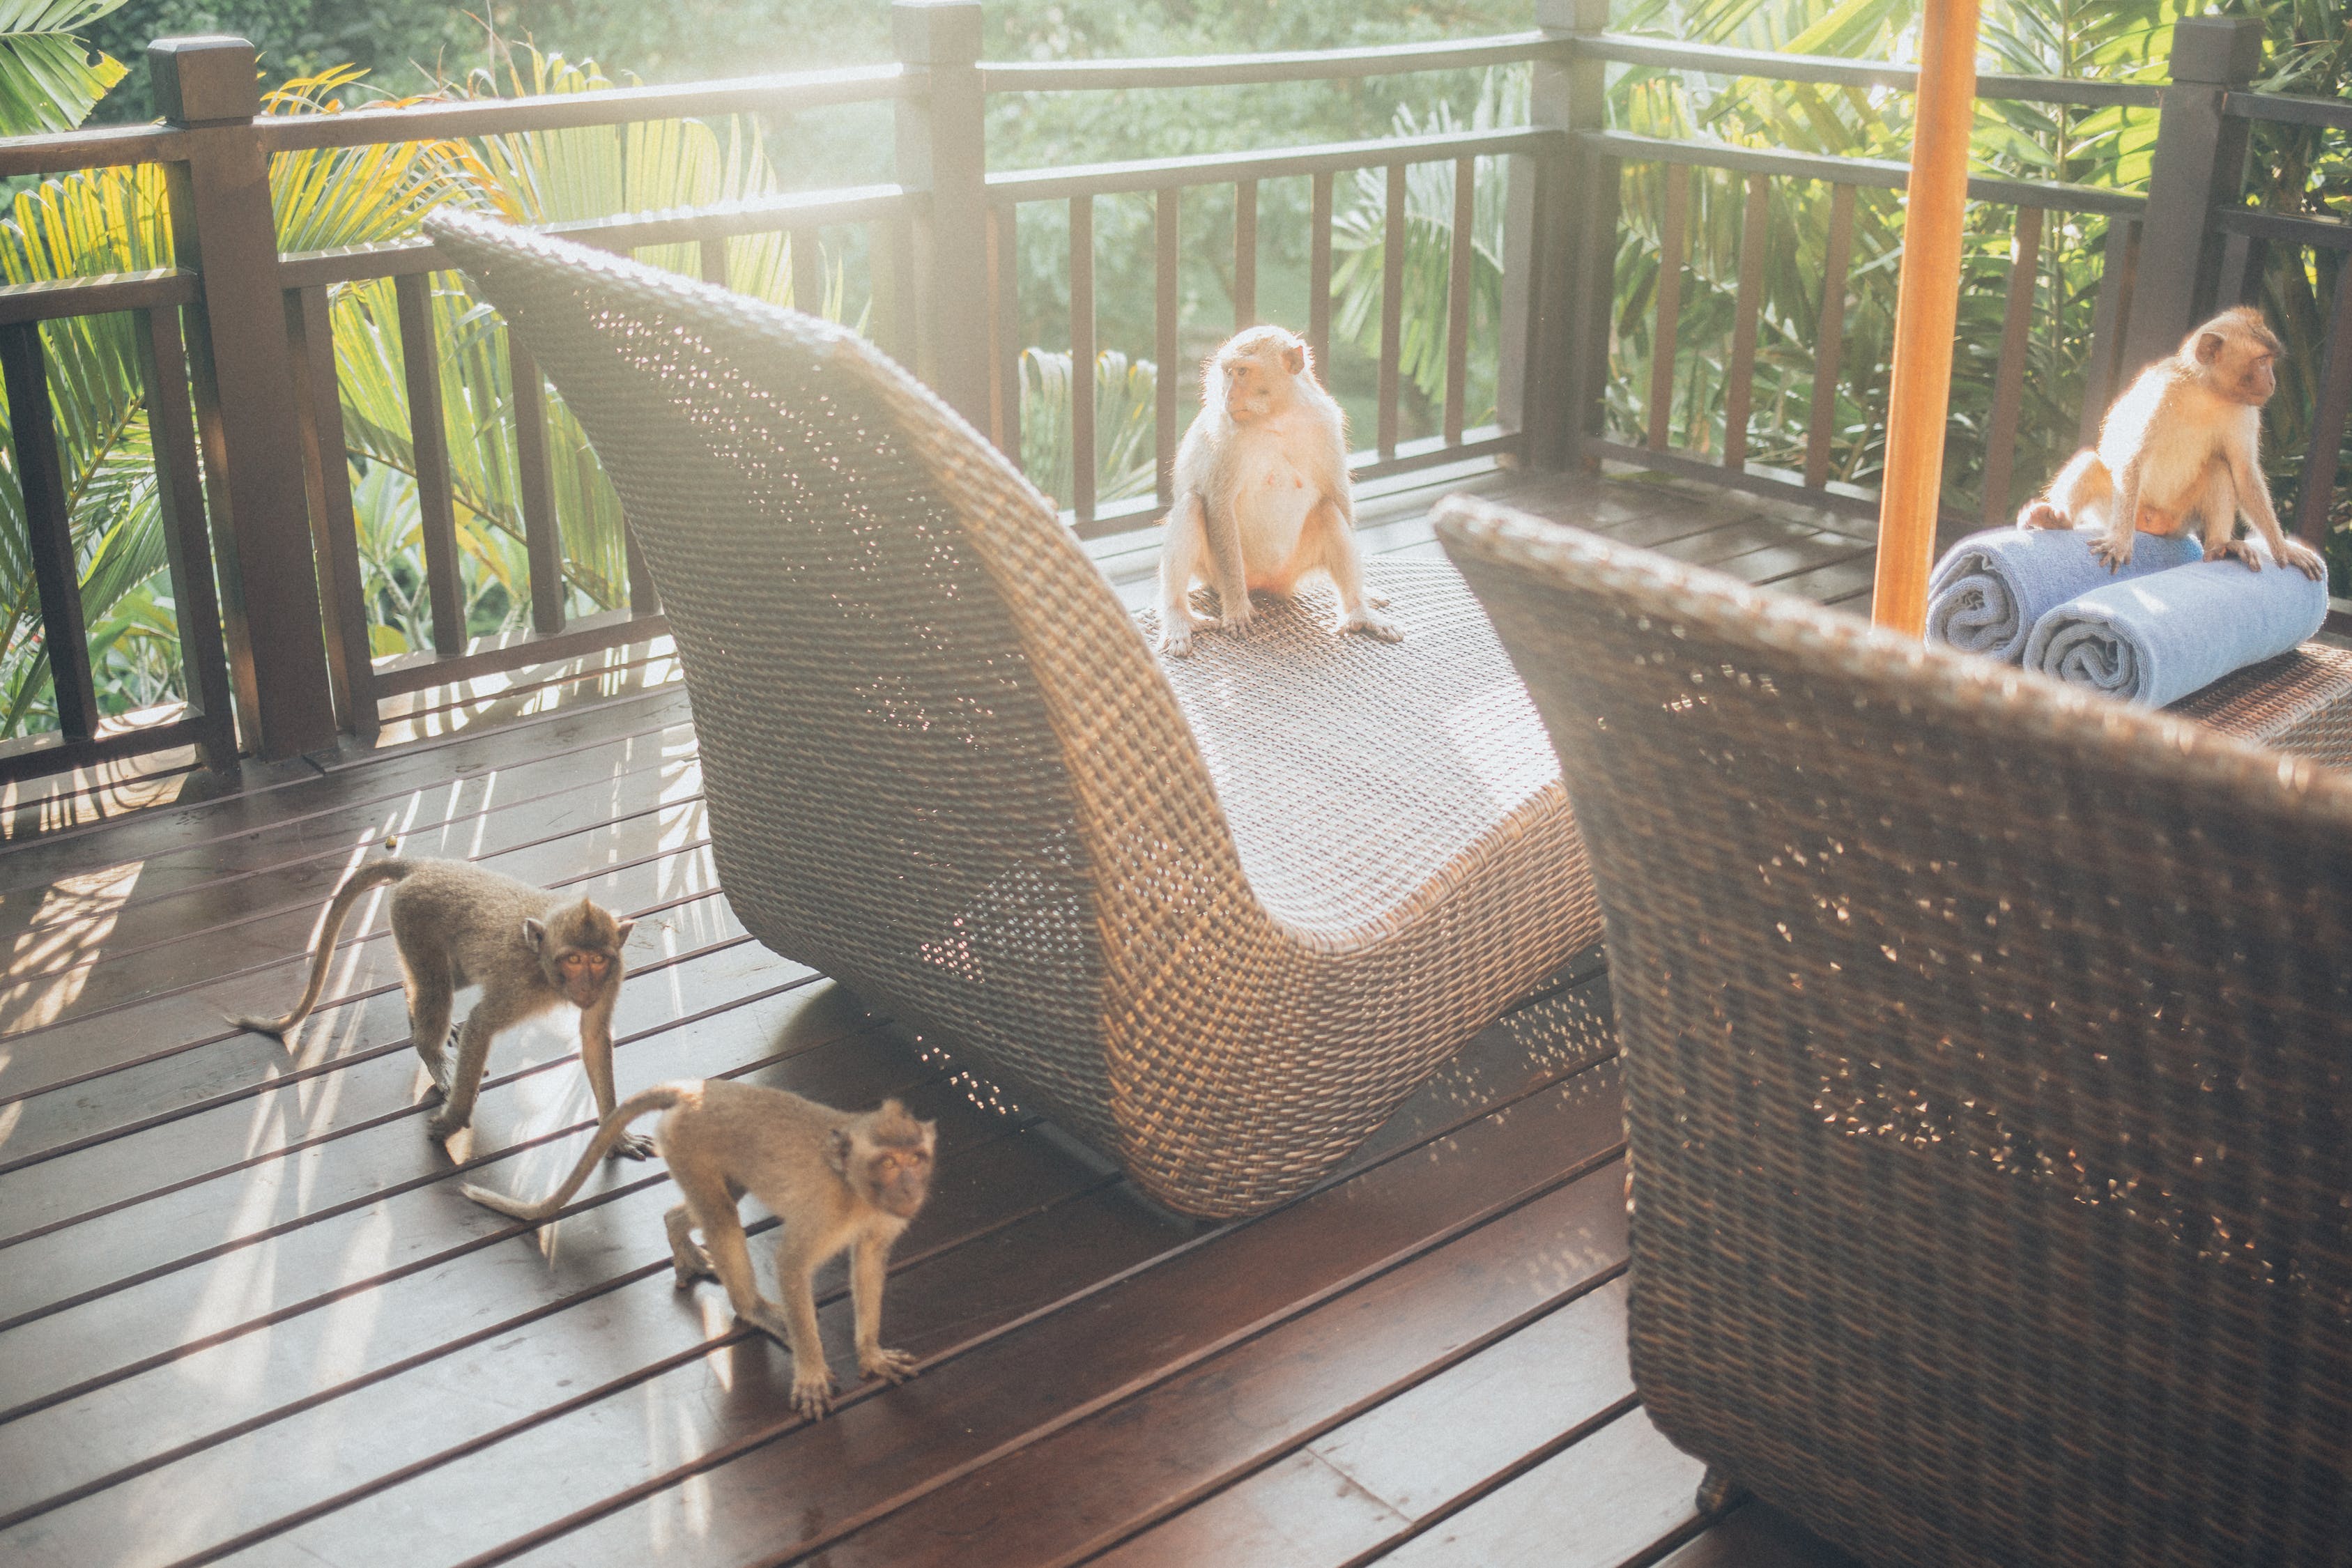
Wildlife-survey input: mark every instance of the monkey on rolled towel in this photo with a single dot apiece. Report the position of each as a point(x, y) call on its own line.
point(455, 925)
point(2179, 451)
point(1262, 493)
point(836, 1180)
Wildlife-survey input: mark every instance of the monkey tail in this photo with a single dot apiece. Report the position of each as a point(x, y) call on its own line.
point(661, 1097)
point(371, 874)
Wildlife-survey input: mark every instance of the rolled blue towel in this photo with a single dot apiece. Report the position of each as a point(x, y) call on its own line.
point(1988, 592)
point(2156, 639)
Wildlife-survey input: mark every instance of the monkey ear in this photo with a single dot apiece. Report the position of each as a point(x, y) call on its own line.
point(534, 932)
point(1294, 358)
point(621, 929)
point(836, 1152)
point(2209, 347)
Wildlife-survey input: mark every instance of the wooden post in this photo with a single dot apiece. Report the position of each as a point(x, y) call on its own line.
point(942, 147)
point(246, 414)
point(1926, 314)
point(2199, 163)
point(1541, 271)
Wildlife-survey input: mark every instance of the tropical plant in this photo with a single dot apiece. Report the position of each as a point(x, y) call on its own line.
point(1126, 394)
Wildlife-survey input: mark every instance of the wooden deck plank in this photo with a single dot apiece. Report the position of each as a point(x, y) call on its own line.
point(784, 1494)
point(1086, 1485)
point(1005, 1219)
point(1372, 1478)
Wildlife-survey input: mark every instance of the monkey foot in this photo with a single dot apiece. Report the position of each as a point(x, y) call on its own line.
point(2041, 514)
point(1372, 625)
point(897, 1366)
point(1176, 636)
point(2243, 549)
point(1376, 599)
point(2112, 555)
point(688, 1267)
point(446, 1125)
point(632, 1146)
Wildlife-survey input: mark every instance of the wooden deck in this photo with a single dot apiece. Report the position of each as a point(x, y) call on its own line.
point(245, 1314)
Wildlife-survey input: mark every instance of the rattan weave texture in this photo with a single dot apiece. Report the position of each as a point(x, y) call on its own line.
point(943, 766)
point(1985, 1044)
point(2300, 702)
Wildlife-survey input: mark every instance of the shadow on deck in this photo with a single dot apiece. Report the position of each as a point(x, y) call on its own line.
point(245, 1314)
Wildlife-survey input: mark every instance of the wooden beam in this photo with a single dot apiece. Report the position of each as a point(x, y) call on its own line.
point(1927, 313)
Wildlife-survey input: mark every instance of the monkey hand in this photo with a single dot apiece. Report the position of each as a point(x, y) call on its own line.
point(1176, 633)
point(2041, 514)
point(441, 1124)
point(632, 1146)
point(2113, 553)
point(1236, 619)
point(1376, 599)
point(2305, 560)
point(1371, 624)
point(893, 1366)
point(812, 1390)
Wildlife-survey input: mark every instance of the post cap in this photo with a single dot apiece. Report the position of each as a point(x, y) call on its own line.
point(2227, 50)
point(936, 32)
point(1573, 15)
point(204, 80)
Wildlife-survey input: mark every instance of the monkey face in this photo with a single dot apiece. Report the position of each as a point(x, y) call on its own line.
point(899, 1180)
point(1257, 368)
point(580, 974)
point(1249, 390)
point(2237, 354)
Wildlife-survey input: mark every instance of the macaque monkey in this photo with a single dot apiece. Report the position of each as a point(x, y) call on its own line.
point(836, 1180)
point(1262, 493)
point(456, 925)
point(2177, 450)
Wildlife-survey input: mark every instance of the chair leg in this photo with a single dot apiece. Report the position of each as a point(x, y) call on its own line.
point(1718, 1491)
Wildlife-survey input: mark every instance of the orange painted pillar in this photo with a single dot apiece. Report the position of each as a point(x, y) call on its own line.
point(1926, 314)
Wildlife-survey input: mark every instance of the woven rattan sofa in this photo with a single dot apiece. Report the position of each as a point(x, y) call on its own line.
point(1216, 918)
point(1986, 1045)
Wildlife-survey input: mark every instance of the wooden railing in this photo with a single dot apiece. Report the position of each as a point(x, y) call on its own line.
point(235, 342)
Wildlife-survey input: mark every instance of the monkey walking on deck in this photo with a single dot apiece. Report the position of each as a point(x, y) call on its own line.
point(838, 1181)
point(1262, 493)
point(2177, 450)
point(455, 925)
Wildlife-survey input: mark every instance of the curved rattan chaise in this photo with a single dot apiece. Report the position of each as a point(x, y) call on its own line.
point(1218, 929)
point(1986, 1045)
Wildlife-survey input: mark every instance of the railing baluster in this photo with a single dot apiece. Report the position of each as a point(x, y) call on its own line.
point(1829, 338)
point(714, 260)
point(1755, 238)
point(1082, 358)
point(2325, 441)
point(1391, 307)
point(1318, 276)
point(1244, 254)
point(187, 543)
point(1004, 334)
point(808, 272)
point(894, 239)
point(1457, 297)
point(421, 365)
point(2009, 383)
point(541, 530)
point(49, 525)
point(1167, 225)
point(1673, 237)
point(2242, 270)
point(334, 527)
point(2110, 316)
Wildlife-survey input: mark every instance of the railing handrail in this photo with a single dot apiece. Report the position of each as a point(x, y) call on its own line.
point(1720, 59)
point(775, 93)
point(1217, 168)
point(620, 232)
point(1883, 172)
point(101, 147)
point(2289, 109)
point(1251, 70)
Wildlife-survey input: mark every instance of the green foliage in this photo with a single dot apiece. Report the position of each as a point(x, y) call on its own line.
point(2106, 39)
point(1126, 457)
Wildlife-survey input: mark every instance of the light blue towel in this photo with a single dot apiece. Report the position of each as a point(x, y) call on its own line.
point(2155, 639)
point(1989, 589)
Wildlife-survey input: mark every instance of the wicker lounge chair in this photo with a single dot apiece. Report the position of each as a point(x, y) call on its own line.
point(1219, 928)
point(1985, 1049)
